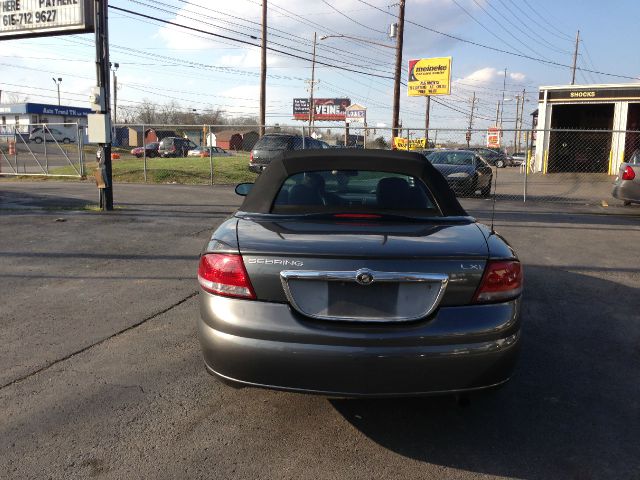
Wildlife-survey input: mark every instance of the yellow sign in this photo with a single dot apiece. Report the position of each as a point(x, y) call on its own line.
point(400, 143)
point(429, 76)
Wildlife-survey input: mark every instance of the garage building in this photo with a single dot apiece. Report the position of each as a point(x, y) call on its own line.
point(606, 115)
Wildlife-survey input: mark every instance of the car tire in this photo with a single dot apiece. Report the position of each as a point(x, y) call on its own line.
point(500, 164)
point(626, 203)
point(138, 155)
point(486, 191)
point(66, 140)
point(37, 140)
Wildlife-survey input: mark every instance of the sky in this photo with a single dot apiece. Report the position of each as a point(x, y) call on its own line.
point(163, 63)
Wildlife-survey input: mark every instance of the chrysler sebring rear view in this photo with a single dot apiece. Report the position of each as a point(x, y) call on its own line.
point(358, 273)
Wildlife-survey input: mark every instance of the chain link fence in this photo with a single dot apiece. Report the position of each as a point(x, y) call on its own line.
point(562, 166)
point(49, 149)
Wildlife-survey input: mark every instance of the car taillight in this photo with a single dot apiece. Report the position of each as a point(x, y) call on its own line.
point(502, 280)
point(224, 274)
point(251, 157)
point(628, 173)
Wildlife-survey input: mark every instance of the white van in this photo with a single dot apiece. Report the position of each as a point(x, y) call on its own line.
point(59, 133)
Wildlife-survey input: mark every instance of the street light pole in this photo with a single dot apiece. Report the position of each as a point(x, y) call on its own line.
point(398, 71)
point(114, 69)
point(57, 82)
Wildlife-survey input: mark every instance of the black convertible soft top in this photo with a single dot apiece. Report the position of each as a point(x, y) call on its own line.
point(267, 185)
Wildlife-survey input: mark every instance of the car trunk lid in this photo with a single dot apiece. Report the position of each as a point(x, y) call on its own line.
point(322, 268)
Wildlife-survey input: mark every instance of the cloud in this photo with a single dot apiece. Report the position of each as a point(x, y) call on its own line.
point(488, 75)
point(288, 19)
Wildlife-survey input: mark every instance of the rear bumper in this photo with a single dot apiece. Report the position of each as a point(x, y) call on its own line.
point(256, 168)
point(268, 345)
point(626, 190)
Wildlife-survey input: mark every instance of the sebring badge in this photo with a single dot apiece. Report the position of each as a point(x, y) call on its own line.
point(364, 277)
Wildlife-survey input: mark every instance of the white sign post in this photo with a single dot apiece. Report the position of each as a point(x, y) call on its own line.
point(39, 18)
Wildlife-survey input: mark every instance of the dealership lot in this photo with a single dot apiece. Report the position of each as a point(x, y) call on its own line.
point(102, 371)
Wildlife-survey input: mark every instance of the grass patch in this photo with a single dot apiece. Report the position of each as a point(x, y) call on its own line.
point(188, 170)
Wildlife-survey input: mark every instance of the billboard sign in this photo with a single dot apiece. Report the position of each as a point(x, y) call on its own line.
point(356, 114)
point(325, 109)
point(429, 76)
point(493, 137)
point(38, 18)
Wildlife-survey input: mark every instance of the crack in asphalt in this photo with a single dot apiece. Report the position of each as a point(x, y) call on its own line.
point(99, 342)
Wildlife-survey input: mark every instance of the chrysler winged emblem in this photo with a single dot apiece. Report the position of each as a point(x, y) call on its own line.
point(364, 277)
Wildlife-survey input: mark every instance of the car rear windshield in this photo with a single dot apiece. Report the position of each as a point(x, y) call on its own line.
point(451, 158)
point(273, 142)
point(355, 191)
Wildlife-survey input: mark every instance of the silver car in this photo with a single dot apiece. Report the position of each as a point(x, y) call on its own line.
point(626, 186)
point(358, 273)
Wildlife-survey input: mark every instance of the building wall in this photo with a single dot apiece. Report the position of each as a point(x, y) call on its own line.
point(618, 95)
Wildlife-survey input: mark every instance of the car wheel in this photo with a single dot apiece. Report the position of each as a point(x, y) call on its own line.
point(37, 140)
point(500, 164)
point(486, 191)
point(66, 140)
point(626, 203)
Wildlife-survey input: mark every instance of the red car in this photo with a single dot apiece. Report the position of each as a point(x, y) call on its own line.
point(152, 150)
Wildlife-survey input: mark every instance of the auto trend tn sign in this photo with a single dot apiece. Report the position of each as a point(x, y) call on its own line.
point(37, 18)
point(429, 76)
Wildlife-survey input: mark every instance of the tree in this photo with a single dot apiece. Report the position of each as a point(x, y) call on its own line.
point(13, 97)
point(380, 142)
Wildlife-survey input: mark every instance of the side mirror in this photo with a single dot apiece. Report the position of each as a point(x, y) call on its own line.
point(243, 189)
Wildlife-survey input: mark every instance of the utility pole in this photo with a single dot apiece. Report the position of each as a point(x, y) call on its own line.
point(312, 85)
point(504, 86)
point(263, 70)
point(473, 105)
point(575, 59)
point(102, 76)
point(515, 131)
point(426, 122)
point(497, 113)
point(398, 71)
point(521, 117)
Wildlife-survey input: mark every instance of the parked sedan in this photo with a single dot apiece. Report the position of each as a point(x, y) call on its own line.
point(492, 157)
point(357, 273)
point(208, 151)
point(519, 158)
point(464, 171)
point(151, 148)
point(626, 186)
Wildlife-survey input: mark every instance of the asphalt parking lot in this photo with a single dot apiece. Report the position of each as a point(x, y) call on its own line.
point(102, 375)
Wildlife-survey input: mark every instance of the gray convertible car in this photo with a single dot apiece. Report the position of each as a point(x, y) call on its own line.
point(358, 273)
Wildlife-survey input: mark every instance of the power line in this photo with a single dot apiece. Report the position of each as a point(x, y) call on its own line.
point(524, 30)
point(298, 39)
point(352, 19)
point(485, 27)
point(495, 49)
point(561, 34)
point(254, 37)
point(244, 42)
point(505, 28)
